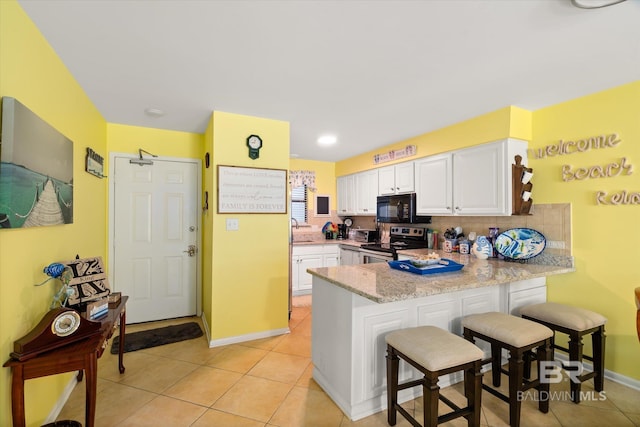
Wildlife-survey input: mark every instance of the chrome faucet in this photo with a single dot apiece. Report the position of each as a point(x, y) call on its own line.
point(296, 222)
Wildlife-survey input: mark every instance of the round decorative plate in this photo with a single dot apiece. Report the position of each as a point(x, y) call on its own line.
point(520, 243)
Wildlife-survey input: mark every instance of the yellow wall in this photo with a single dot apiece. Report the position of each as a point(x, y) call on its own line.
point(31, 72)
point(249, 267)
point(509, 122)
point(605, 238)
point(325, 180)
point(163, 143)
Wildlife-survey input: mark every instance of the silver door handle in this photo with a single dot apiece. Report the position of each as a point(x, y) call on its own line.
point(192, 250)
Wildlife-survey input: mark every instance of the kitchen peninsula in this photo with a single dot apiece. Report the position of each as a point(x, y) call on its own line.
point(355, 306)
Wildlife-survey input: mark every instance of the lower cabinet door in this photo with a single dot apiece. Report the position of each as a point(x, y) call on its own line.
point(302, 281)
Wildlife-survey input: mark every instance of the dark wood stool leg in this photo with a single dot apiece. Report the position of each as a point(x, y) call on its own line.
point(575, 355)
point(431, 393)
point(392, 385)
point(473, 393)
point(598, 342)
point(516, 377)
point(529, 356)
point(496, 363)
point(544, 354)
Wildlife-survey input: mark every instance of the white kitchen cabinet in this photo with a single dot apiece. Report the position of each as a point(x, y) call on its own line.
point(434, 185)
point(366, 192)
point(331, 260)
point(396, 179)
point(470, 181)
point(532, 291)
point(346, 195)
point(350, 255)
point(310, 256)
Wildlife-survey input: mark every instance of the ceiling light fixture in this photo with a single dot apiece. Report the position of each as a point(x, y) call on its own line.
point(154, 112)
point(327, 140)
point(594, 4)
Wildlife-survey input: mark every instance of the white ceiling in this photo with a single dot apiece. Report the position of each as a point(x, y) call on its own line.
point(373, 72)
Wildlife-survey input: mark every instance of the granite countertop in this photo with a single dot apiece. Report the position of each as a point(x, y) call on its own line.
point(380, 283)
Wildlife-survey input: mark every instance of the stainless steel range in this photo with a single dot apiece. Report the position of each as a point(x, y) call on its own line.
point(399, 238)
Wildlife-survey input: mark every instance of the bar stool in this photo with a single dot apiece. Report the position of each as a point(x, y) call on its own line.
point(518, 336)
point(575, 322)
point(434, 352)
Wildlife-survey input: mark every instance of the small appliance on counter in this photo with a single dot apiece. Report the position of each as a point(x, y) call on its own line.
point(365, 235)
point(342, 232)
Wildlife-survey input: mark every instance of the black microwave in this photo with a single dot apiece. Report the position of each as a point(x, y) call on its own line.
point(399, 209)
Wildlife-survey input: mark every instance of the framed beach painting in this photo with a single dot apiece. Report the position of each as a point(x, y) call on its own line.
point(36, 170)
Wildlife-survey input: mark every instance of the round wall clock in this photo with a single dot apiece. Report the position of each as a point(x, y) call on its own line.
point(254, 142)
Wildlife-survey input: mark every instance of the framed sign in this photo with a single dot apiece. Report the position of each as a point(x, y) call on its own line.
point(89, 280)
point(251, 190)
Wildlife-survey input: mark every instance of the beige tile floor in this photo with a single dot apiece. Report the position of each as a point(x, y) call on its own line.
point(268, 382)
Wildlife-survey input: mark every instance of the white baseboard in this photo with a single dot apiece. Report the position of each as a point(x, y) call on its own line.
point(610, 375)
point(62, 400)
point(248, 337)
point(206, 326)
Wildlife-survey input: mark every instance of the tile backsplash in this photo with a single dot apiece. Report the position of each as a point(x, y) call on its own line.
point(552, 220)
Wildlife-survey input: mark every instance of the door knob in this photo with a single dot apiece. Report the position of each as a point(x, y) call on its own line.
point(191, 250)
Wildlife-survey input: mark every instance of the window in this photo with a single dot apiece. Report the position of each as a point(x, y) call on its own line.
point(299, 204)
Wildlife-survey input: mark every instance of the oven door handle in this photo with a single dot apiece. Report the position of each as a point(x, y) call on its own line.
point(377, 254)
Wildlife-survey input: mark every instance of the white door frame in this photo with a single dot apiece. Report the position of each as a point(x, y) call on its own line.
point(111, 231)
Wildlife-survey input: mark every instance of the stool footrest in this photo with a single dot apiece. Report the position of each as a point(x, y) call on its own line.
point(410, 384)
point(495, 392)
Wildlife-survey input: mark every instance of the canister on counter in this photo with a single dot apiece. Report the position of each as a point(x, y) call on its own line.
point(450, 245)
point(465, 247)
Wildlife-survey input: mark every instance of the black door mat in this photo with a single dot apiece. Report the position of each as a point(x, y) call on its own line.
point(155, 337)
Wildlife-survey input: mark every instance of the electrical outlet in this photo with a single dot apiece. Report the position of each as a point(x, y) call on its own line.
point(233, 224)
point(555, 244)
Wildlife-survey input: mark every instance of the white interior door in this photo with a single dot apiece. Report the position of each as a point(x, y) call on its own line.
point(155, 223)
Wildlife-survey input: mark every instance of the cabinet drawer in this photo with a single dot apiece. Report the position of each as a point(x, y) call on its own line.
point(316, 249)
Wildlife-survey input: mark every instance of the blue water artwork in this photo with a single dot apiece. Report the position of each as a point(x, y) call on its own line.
point(36, 170)
point(520, 243)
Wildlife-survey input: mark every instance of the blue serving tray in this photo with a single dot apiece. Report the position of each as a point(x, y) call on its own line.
point(429, 269)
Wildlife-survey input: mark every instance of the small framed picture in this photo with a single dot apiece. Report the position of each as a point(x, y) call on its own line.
point(94, 163)
point(322, 205)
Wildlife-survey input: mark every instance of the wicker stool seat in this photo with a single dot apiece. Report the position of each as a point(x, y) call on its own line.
point(433, 352)
point(576, 322)
point(519, 337)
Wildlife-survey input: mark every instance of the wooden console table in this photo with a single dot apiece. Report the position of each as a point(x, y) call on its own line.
point(80, 356)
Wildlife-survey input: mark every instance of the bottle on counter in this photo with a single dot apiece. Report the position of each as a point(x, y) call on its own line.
point(493, 235)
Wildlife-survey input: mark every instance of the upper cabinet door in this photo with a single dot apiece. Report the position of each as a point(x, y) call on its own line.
point(479, 177)
point(346, 195)
point(404, 178)
point(396, 179)
point(366, 192)
point(433, 184)
point(387, 181)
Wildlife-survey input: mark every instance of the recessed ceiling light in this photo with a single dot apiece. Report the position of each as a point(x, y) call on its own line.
point(154, 112)
point(327, 140)
point(294, 155)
